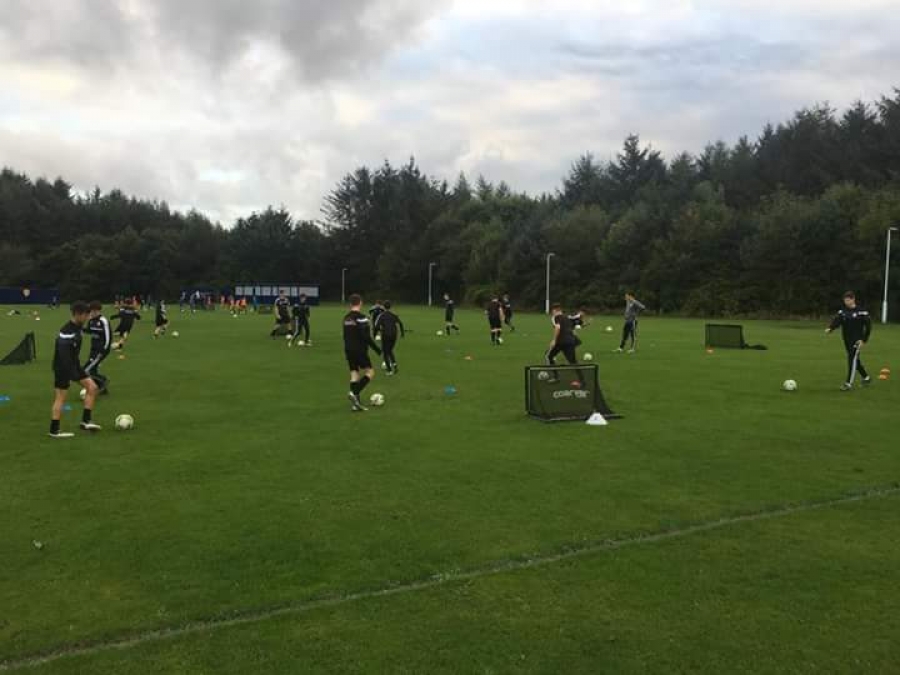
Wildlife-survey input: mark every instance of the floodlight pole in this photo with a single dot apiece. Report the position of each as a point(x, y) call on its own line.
point(550, 256)
point(431, 267)
point(343, 285)
point(887, 275)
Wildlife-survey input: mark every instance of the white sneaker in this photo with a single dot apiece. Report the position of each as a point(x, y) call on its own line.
point(61, 434)
point(90, 426)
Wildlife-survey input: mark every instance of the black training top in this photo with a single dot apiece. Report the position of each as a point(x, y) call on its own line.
point(66, 356)
point(388, 324)
point(451, 309)
point(357, 335)
point(301, 311)
point(566, 334)
point(282, 307)
point(493, 310)
point(127, 317)
point(855, 324)
point(101, 334)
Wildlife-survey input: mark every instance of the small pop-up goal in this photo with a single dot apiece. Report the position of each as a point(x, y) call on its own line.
point(26, 352)
point(565, 393)
point(727, 336)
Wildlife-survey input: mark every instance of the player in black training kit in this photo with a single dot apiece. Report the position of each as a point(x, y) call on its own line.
point(508, 313)
point(127, 316)
point(357, 341)
point(101, 344)
point(856, 328)
point(389, 326)
point(282, 315)
point(449, 315)
point(162, 319)
point(376, 311)
point(300, 313)
point(494, 313)
point(564, 340)
point(67, 369)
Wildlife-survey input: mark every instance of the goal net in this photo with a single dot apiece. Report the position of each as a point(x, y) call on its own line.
point(725, 336)
point(565, 393)
point(24, 353)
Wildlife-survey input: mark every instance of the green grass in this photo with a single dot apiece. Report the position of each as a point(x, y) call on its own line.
point(247, 485)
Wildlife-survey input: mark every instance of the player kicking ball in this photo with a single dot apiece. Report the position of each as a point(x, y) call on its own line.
point(357, 341)
point(856, 329)
point(67, 369)
point(564, 341)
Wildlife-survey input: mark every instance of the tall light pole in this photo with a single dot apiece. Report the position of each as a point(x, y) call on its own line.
point(887, 274)
point(550, 256)
point(431, 267)
point(343, 285)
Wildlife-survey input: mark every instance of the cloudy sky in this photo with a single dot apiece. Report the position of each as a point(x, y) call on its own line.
point(231, 105)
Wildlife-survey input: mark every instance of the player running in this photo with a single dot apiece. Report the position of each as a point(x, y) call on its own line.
point(856, 329)
point(633, 309)
point(389, 325)
point(101, 344)
point(162, 319)
point(300, 316)
point(357, 341)
point(127, 316)
point(508, 312)
point(494, 313)
point(67, 369)
point(282, 309)
point(449, 315)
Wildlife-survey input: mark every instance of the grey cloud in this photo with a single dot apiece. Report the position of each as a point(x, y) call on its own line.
point(321, 39)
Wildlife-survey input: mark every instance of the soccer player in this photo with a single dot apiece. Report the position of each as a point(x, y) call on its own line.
point(449, 314)
point(856, 328)
point(162, 319)
point(388, 325)
point(633, 308)
point(508, 312)
point(495, 320)
point(127, 316)
point(101, 344)
point(357, 341)
point(282, 315)
point(300, 315)
point(376, 311)
point(67, 369)
point(564, 340)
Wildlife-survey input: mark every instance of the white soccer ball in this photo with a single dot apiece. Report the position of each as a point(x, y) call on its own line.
point(384, 365)
point(500, 340)
point(440, 333)
point(301, 343)
point(609, 329)
point(543, 376)
point(377, 400)
point(124, 422)
point(174, 333)
point(578, 327)
point(377, 338)
point(82, 394)
point(789, 385)
point(588, 357)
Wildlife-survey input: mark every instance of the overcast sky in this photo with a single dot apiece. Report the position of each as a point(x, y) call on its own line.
point(231, 105)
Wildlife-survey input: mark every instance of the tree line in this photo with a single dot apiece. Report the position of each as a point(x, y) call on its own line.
point(778, 225)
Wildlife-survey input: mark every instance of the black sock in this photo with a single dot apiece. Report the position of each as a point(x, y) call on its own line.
point(363, 383)
point(86, 416)
point(54, 426)
point(354, 387)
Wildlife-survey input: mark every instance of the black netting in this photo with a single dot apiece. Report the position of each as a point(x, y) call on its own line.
point(25, 352)
point(725, 336)
point(557, 393)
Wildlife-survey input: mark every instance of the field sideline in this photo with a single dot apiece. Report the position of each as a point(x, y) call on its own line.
point(249, 497)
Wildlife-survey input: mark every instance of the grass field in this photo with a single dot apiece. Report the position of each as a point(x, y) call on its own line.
point(250, 523)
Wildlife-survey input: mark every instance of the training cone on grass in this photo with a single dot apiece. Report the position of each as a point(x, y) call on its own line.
point(597, 420)
point(885, 374)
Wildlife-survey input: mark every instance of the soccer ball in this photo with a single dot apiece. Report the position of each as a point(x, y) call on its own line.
point(301, 343)
point(377, 400)
point(789, 385)
point(543, 376)
point(174, 333)
point(440, 333)
point(500, 340)
point(124, 422)
point(609, 329)
point(578, 327)
point(384, 365)
point(82, 394)
point(588, 357)
point(377, 338)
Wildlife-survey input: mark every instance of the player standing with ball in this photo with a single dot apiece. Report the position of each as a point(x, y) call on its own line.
point(357, 341)
point(67, 369)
